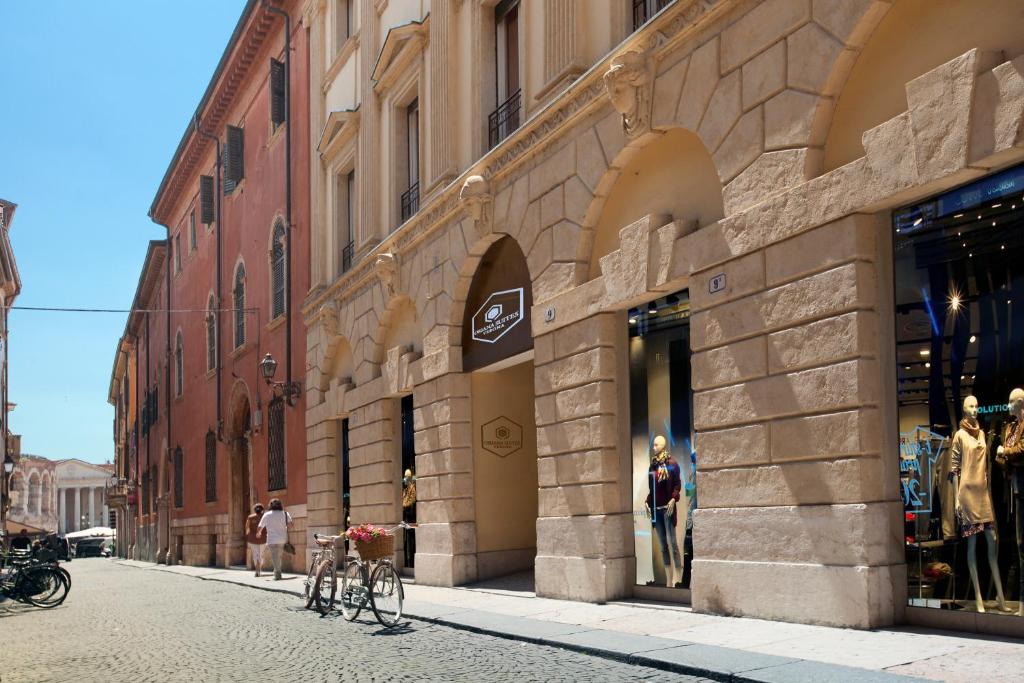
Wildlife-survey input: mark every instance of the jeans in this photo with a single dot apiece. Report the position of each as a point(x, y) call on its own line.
point(666, 530)
point(276, 549)
point(256, 549)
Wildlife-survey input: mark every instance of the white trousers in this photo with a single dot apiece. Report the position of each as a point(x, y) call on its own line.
point(256, 549)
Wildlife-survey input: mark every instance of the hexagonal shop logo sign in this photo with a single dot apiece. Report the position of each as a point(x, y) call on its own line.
point(501, 436)
point(499, 314)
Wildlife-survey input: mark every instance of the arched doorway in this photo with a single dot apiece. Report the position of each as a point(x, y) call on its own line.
point(239, 468)
point(497, 351)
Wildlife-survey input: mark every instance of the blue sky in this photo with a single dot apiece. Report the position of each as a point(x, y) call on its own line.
point(95, 97)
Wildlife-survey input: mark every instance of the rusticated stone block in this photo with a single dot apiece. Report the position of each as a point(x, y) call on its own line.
point(448, 460)
point(585, 499)
point(457, 538)
point(734, 447)
point(556, 167)
point(812, 57)
point(848, 239)
point(577, 435)
point(821, 482)
point(601, 536)
point(591, 332)
point(596, 398)
point(869, 597)
point(743, 276)
point(852, 21)
point(770, 174)
point(853, 534)
point(997, 113)
point(437, 569)
point(759, 28)
point(826, 341)
point(833, 292)
point(584, 579)
point(730, 364)
point(701, 78)
point(844, 385)
point(834, 435)
point(447, 510)
point(589, 467)
point(742, 146)
point(571, 371)
point(723, 110)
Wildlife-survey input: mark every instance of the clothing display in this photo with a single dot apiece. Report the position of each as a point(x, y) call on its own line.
point(664, 480)
point(665, 528)
point(970, 464)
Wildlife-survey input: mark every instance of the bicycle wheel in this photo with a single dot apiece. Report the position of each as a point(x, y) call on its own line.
point(325, 587)
point(386, 594)
point(42, 586)
point(353, 590)
point(307, 586)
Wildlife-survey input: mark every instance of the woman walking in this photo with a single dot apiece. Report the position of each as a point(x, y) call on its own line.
point(276, 522)
point(255, 536)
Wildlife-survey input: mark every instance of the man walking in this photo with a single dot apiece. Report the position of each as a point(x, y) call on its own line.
point(276, 522)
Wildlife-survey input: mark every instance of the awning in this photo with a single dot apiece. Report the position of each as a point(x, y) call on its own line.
point(14, 528)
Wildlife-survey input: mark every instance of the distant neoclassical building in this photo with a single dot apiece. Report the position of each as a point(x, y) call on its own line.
point(34, 493)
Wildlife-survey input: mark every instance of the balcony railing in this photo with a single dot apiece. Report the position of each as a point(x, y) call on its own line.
point(410, 201)
point(643, 10)
point(119, 492)
point(346, 256)
point(504, 120)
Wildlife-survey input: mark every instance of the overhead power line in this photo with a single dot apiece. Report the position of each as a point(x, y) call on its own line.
point(56, 309)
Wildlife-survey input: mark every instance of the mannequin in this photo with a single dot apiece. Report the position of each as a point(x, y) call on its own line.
point(409, 515)
point(974, 498)
point(1011, 455)
point(664, 483)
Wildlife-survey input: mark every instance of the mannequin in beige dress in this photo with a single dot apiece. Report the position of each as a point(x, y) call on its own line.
point(974, 498)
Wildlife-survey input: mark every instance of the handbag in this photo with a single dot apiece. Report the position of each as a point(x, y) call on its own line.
point(288, 547)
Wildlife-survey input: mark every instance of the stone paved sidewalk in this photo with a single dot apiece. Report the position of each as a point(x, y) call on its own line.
point(676, 638)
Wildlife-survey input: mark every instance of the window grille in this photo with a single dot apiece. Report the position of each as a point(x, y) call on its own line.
point(211, 466)
point(179, 366)
point(505, 119)
point(211, 336)
point(643, 10)
point(275, 432)
point(278, 93)
point(192, 231)
point(239, 294)
point(277, 266)
point(179, 476)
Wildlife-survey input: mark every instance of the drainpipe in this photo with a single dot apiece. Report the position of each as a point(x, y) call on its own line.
point(216, 314)
point(287, 185)
point(171, 256)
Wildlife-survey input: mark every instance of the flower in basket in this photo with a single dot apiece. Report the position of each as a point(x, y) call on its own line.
point(364, 533)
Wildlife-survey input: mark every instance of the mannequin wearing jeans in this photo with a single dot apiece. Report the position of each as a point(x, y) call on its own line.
point(1011, 455)
point(974, 498)
point(664, 483)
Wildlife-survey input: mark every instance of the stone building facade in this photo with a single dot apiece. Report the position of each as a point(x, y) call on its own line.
point(33, 493)
point(10, 287)
point(225, 293)
point(732, 168)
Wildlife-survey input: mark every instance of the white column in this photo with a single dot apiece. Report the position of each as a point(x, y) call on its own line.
point(92, 506)
point(60, 511)
point(77, 511)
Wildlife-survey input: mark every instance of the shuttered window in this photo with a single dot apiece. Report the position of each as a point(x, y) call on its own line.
point(278, 93)
point(234, 159)
point(206, 207)
point(192, 231)
point(239, 296)
point(179, 365)
point(211, 336)
point(179, 477)
point(177, 253)
point(277, 265)
point(211, 466)
point(275, 433)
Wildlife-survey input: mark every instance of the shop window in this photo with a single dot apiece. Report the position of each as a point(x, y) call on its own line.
point(959, 287)
point(408, 481)
point(343, 459)
point(664, 457)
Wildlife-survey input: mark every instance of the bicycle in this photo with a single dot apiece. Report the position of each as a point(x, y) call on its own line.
point(326, 583)
point(382, 589)
point(310, 582)
point(40, 583)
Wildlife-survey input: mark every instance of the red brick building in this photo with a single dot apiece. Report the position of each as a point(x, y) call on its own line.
point(229, 291)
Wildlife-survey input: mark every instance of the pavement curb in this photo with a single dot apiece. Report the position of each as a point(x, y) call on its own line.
point(758, 669)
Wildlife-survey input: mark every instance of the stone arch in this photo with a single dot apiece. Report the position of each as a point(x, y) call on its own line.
point(237, 434)
point(19, 494)
point(896, 46)
point(47, 494)
point(339, 363)
point(399, 326)
point(671, 174)
point(466, 270)
point(34, 494)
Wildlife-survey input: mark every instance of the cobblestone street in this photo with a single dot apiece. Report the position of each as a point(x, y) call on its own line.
point(126, 624)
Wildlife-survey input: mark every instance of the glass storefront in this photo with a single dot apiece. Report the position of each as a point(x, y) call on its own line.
point(959, 284)
point(664, 456)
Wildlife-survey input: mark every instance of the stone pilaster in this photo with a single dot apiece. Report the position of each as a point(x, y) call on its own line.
point(561, 58)
point(372, 463)
point(441, 163)
point(584, 530)
point(369, 229)
point(319, 264)
point(446, 538)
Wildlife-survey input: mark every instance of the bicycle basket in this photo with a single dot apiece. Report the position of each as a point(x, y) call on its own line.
point(377, 548)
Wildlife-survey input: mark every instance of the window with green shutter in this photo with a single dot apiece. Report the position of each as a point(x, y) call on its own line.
point(278, 93)
point(234, 158)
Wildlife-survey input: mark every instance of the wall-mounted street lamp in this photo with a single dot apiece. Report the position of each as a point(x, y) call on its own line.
point(289, 390)
point(8, 466)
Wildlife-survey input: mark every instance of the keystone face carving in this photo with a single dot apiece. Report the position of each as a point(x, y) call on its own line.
point(476, 194)
point(386, 270)
point(629, 83)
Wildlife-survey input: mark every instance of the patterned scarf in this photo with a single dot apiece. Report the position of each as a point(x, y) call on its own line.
point(971, 426)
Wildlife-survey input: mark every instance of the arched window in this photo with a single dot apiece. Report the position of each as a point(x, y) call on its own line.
point(19, 494)
point(239, 295)
point(179, 365)
point(34, 495)
point(211, 335)
point(277, 274)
